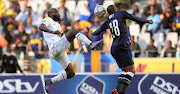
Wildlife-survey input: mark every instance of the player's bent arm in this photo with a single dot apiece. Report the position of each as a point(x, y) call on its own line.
point(43, 27)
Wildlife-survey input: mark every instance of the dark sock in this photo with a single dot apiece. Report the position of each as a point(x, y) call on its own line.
point(123, 83)
point(119, 83)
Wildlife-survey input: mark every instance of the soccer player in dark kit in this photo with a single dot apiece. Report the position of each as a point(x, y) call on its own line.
point(120, 49)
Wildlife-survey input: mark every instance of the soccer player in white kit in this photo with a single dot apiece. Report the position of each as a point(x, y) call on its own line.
point(58, 43)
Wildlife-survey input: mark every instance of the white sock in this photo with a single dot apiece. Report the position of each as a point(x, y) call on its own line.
point(123, 72)
point(130, 74)
point(61, 77)
point(83, 38)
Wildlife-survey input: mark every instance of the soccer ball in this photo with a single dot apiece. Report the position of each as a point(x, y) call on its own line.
point(99, 11)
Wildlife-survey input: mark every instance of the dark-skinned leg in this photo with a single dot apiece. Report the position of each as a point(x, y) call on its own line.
point(120, 78)
point(72, 34)
point(130, 69)
point(123, 69)
point(70, 71)
point(124, 83)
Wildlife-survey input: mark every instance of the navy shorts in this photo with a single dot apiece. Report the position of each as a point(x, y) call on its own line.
point(122, 57)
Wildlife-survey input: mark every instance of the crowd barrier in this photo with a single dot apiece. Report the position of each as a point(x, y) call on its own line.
point(104, 62)
point(90, 83)
point(149, 65)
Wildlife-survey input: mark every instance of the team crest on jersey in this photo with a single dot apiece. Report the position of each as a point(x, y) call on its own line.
point(90, 85)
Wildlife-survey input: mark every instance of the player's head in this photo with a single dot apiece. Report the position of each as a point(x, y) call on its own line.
point(54, 14)
point(111, 9)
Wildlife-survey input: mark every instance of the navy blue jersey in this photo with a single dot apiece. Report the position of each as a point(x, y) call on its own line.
point(117, 23)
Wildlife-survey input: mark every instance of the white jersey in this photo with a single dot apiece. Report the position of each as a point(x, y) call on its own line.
point(53, 26)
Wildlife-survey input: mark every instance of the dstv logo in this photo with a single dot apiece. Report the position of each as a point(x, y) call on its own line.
point(90, 85)
point(18, 87)
point(161, 86)
point(87, 89)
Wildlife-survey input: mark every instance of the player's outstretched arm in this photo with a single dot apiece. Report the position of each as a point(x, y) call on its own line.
point(134, 18)
point(43, 27)
point(101, 29)
point(97, 32)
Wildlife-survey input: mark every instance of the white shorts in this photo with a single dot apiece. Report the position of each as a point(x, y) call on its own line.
point(58, 51)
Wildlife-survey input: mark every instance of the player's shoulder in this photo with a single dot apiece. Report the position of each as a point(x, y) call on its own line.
point(121, 11)
point(118, 13)
point(47, 19)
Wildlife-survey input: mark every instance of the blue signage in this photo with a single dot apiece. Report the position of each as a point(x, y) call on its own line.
point(90, 85)
point(21, 84)
point(85, 84)
point(155, 84)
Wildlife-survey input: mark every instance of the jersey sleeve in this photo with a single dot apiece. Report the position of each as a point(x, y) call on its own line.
point(45, 21)
point(102, 28)
point(134, 18)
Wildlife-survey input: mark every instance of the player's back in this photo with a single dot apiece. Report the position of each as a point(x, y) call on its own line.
point(120, 32)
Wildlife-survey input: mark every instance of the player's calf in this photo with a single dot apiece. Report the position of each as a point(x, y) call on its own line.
point(70, 74)
point(76, 34)
point(123, 81)
point(73, 33)
point(70, 71)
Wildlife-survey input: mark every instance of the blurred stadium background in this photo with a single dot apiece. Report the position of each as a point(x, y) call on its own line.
point(155, 48)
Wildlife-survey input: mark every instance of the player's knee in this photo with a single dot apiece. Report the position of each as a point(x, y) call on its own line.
point(74, 31)
point(132, 70)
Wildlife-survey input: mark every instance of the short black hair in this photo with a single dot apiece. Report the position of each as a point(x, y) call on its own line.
point(111, 9)
point(51, 10)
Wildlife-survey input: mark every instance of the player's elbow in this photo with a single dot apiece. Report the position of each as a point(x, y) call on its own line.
point(41, 27)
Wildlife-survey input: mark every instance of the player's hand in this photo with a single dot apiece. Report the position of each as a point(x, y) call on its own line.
point(151, 22)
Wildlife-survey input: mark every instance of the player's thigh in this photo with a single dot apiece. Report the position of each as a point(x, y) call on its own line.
point(64, 60)
point(60, 46)
point(70, 35)
point(122, 57)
